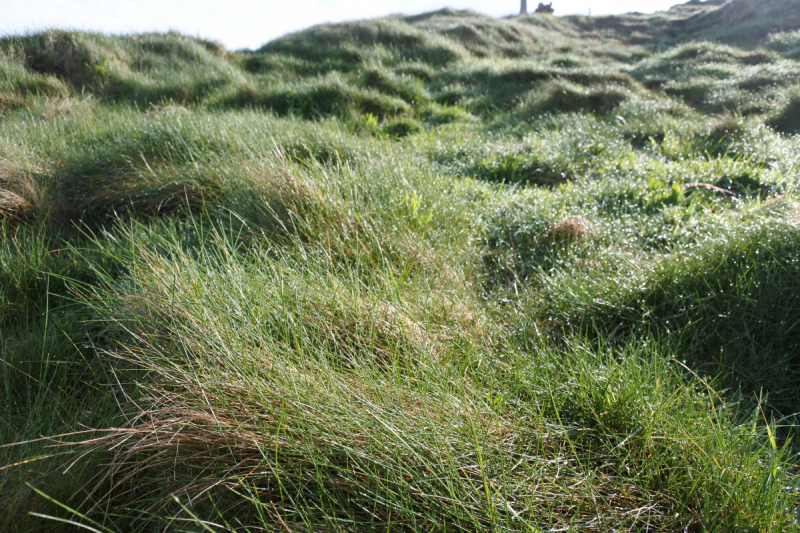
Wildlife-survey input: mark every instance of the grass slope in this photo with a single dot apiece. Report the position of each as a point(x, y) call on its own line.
point(431, 273)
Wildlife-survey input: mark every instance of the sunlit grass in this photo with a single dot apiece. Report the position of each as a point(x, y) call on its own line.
point(432, 273)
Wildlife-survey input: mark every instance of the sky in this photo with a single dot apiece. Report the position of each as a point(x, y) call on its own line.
point(250, 23)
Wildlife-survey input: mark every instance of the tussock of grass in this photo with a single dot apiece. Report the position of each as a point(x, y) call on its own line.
point(439, 272)
point(787, 120)
point(565, 98)
point(786, 44)
point(21, 199)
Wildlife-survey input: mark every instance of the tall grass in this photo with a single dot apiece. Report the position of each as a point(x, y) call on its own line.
point(428, 273)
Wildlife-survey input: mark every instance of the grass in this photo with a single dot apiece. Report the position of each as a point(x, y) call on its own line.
point(431, 273)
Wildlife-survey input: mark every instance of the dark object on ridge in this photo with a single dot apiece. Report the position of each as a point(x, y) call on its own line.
point(523, 10)
point(545, 9)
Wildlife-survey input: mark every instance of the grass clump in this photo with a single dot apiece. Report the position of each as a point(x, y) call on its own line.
point(786, 44)
point(435, 272)
point(787, 120)
point(566, 98)
point(19, 196)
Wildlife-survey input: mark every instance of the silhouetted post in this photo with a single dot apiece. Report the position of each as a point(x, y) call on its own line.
point(523, 9)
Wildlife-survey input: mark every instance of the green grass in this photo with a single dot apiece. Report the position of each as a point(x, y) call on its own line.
point(431, 273)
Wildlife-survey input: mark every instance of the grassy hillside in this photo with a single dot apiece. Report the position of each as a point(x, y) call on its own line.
point(432, 273)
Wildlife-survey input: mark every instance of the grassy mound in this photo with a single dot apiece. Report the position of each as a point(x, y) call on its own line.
point(787, 120)
point(441, 272)
point(744, 21)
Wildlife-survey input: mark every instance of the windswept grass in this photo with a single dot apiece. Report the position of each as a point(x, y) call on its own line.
point(430, 273)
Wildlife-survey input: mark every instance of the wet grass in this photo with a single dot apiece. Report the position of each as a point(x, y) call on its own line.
point(430, 273)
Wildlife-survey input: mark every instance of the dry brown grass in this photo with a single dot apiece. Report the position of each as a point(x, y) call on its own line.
point(10, 101)
point(55, 108)
point(13, 207)
point(21, 198)
point(572, 229)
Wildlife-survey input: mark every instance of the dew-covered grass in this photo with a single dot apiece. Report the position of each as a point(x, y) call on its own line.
point(428, 273)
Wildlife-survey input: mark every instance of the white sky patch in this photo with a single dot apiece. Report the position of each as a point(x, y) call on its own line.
point(249, 24)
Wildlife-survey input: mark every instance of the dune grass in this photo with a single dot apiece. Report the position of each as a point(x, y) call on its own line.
point(429, 273)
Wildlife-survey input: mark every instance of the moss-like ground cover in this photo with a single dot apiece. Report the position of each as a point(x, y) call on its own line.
point(431, 273)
